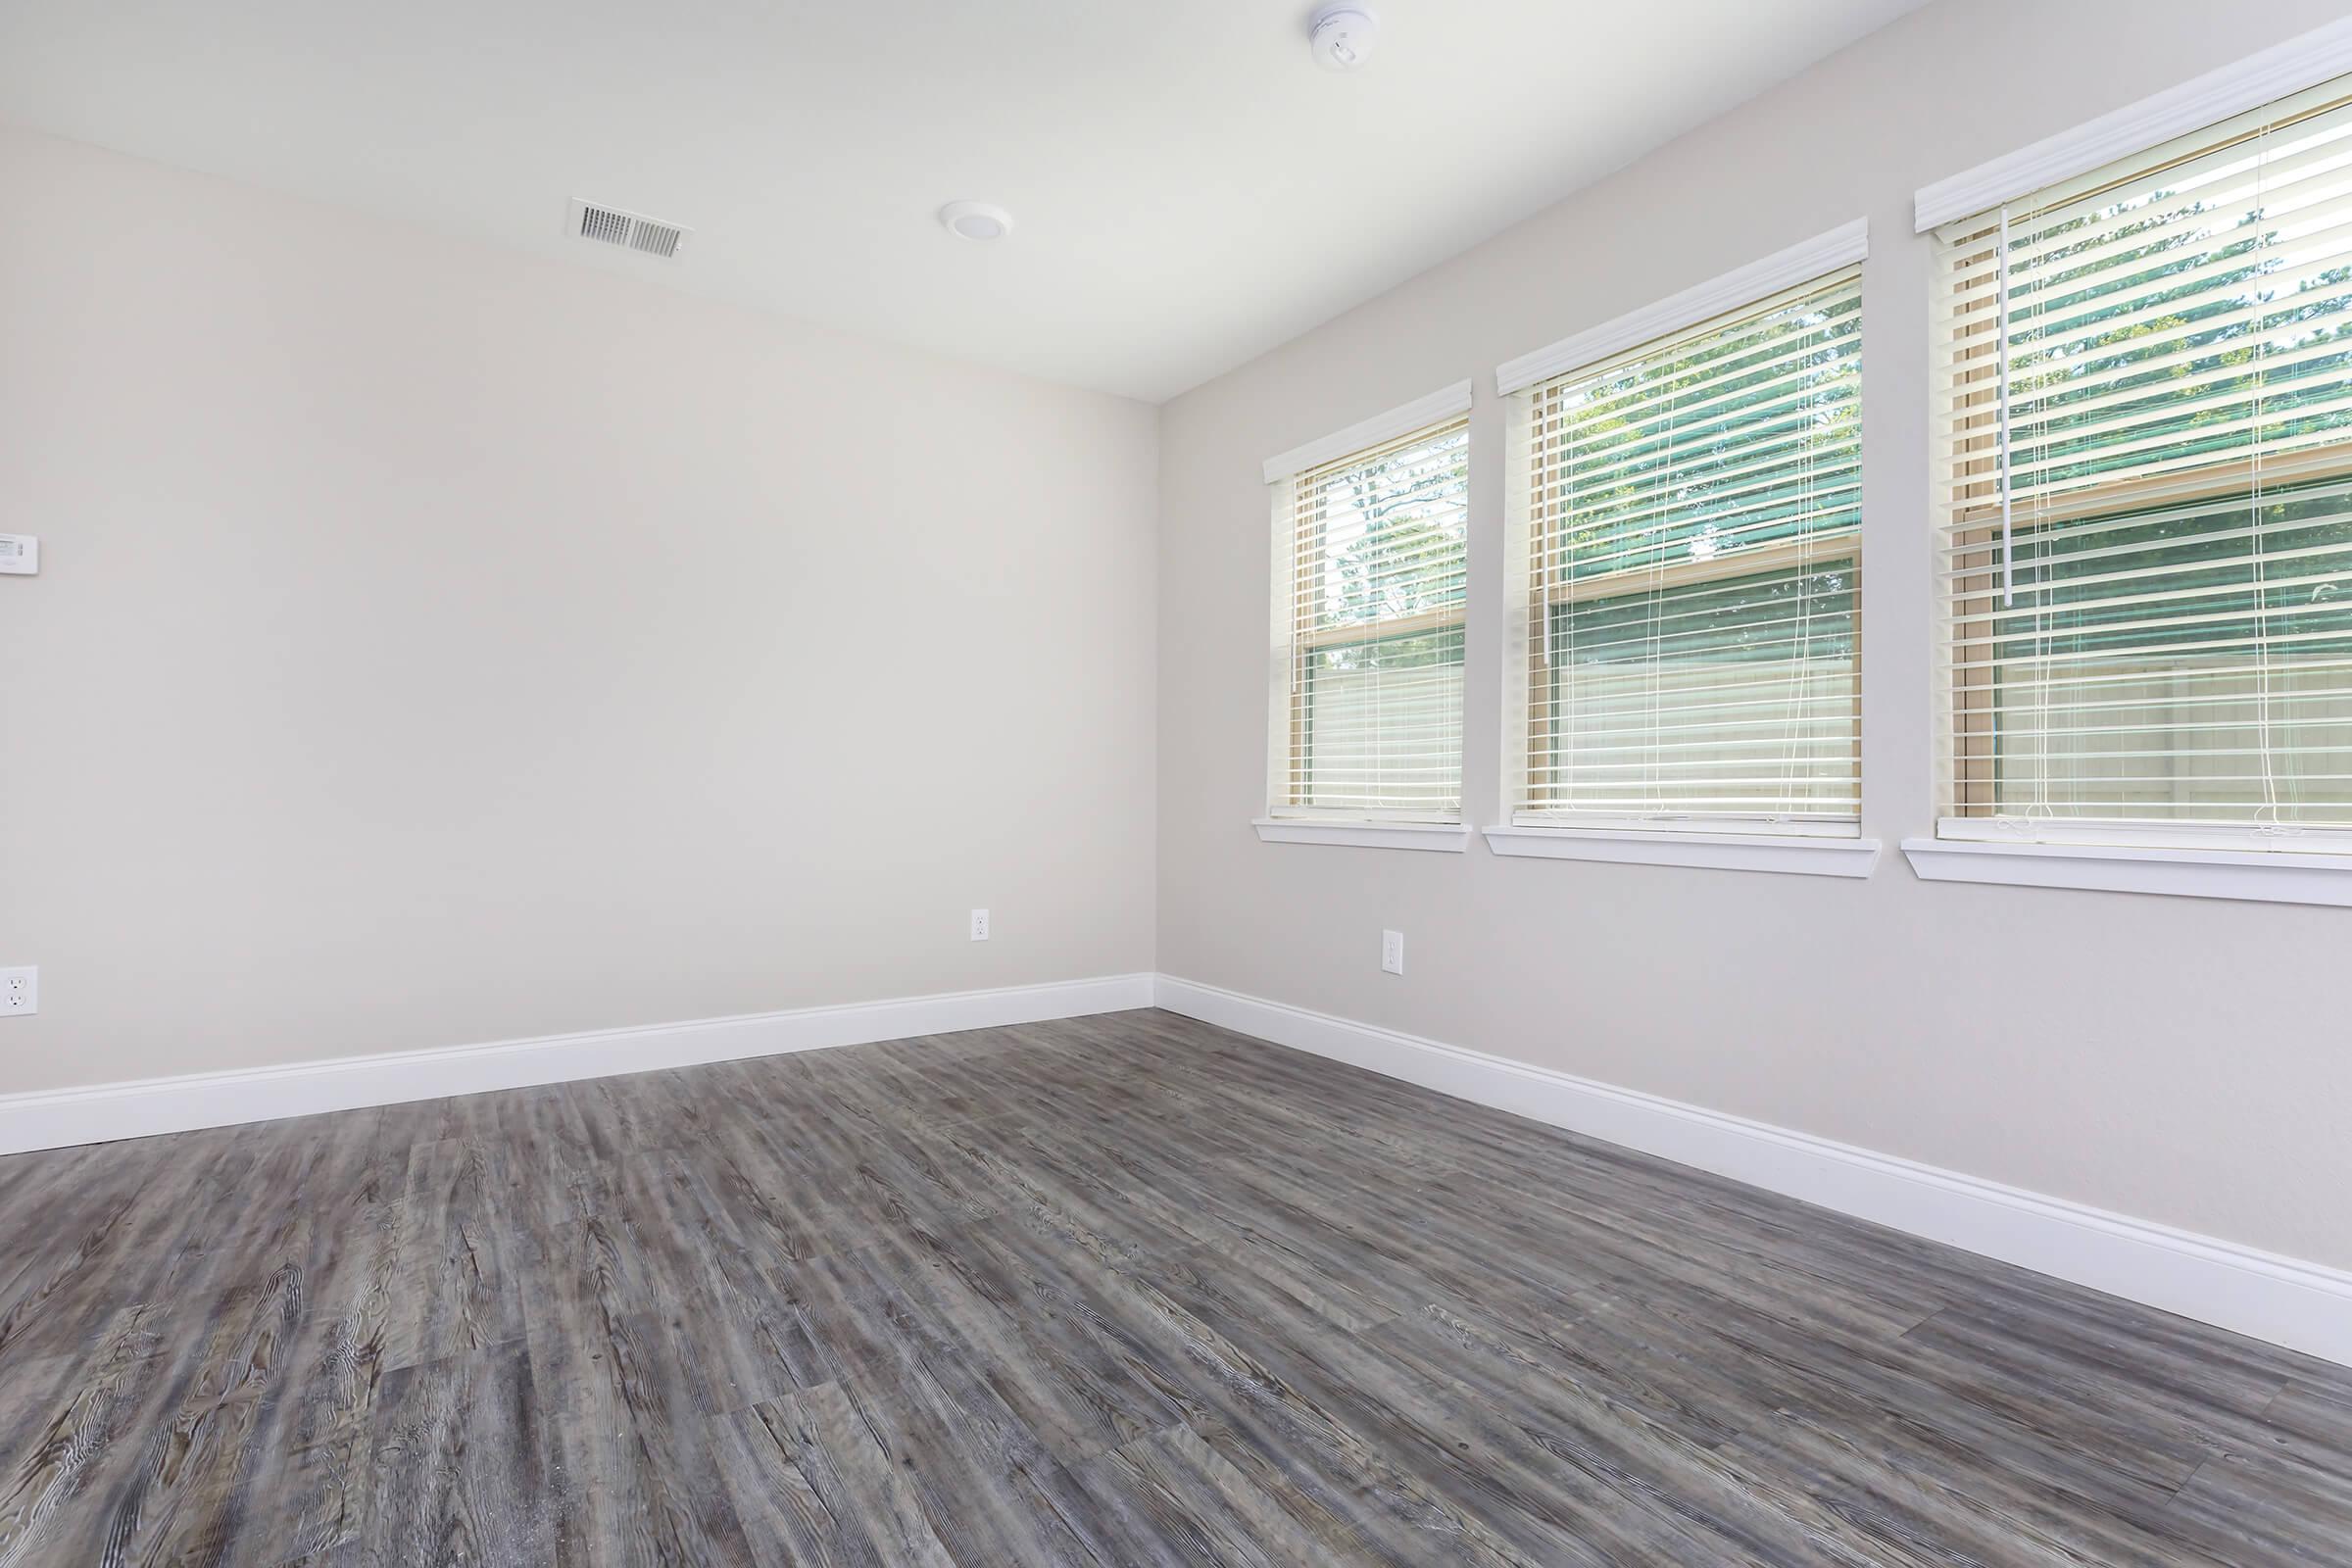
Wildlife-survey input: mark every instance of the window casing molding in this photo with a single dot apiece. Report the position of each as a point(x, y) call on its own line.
point(1369, 617)
point(2146, 513)
point(1740, 302)
point(2260, 876)
point(2295, 66)
point(2193, 838)
point(1813, 853)
point(1847, 245)
point(1381, 428)
point(1369, 833)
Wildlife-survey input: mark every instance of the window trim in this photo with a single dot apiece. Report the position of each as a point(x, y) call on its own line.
point(2262, 876)
point(1558, 835)
point(1285, 823)
point(2300, 63)
point(1363, 833)
point(2150, 855)
point(1447, 403)
point(1847, 245)
point(1798, 853)
point(2150, 833)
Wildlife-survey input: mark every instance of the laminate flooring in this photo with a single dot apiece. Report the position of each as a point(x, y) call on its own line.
point(1125, 1290)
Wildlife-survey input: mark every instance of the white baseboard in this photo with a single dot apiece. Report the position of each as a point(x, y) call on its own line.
point(2305, 1307)
point(100, 1112)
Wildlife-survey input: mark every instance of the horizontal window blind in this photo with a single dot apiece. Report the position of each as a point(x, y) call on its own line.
point(1694, 514)
point(1369, 578)
point(2147, 548)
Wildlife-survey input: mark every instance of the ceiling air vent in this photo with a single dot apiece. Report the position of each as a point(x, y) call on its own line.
point(609, 226)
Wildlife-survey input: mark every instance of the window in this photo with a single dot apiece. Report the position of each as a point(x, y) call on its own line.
point(2147, 507)
point(1690, 555)
point(1369, 577)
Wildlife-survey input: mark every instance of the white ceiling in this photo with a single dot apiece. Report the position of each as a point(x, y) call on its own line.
point(1190, 189)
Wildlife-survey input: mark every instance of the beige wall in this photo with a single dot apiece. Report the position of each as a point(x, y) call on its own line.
point(2183, 1060)
point(437, 645)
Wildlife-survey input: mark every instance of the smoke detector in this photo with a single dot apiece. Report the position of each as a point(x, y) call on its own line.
point(634, 231)
point(976, 220)
point(1341, 37)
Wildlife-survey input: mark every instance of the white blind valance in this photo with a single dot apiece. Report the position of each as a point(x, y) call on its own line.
point(1692, 552)
point(2295, 66)
point(1369, 587)
point(2147, 418)
point(1822, 254)
point(1378, 430)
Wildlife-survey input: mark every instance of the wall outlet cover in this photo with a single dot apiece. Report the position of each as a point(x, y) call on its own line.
point(1391, 952)
point(20, 990)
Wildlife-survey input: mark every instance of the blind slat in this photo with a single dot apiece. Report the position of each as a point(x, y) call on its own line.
point(1371, 581)
point(2175, 644)
point(1672, 681)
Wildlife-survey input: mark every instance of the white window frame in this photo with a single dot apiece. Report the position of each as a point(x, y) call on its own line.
point(1358, 830)
point(2188, 860)
point(1802, 849)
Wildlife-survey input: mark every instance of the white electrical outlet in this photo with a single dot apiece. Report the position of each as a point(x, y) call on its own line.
point(20, 554)
point(979, 925)
point(20, 990)
point(1391, 952)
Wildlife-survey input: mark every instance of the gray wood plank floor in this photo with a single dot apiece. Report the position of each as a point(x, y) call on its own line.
point(1123, 1289)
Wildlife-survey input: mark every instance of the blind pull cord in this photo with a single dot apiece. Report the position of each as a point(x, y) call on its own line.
point(2008, 542)
point(1553, 549)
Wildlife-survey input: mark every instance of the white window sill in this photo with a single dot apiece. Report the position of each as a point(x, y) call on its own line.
point(1801, 855)
point(2265, 876)
point(1451, 838)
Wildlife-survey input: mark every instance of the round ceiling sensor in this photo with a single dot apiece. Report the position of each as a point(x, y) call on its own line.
point(1341, 37)
point(976, 220)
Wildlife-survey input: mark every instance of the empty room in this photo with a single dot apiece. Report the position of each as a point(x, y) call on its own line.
point(1490, 783)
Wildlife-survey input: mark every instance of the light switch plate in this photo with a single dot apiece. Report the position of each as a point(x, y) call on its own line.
point(19, 555)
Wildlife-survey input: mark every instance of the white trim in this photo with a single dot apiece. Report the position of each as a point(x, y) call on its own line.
point(101, 1113)
point(2291, 66)
point(1784, 270)
point(2263, 876)
point(1450, 837)
point(1403, 419)
point(1651, 824)
point(2287, 1301)
point(2144, 834)
point(1801, 853)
